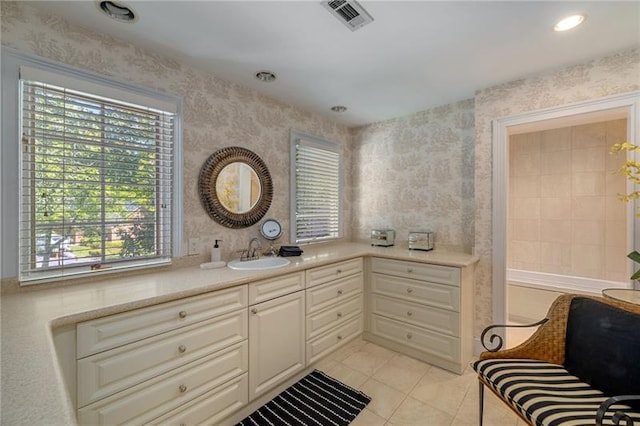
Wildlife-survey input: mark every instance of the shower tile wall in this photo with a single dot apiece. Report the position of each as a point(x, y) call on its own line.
point(565, 216)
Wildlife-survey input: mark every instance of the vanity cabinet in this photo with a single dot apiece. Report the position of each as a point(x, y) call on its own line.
point(184, 358)
point(276, 331)
point(422, 310)
point(333, 306)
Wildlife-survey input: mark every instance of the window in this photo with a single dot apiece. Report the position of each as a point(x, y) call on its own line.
point(316, 189)
point(96, 177)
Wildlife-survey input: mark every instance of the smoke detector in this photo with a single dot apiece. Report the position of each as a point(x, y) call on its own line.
point(349, 12)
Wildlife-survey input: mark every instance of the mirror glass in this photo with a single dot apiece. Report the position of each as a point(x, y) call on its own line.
point(235, 187)
point(238, 187)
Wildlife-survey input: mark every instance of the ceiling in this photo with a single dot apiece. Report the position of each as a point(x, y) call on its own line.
point(414, 56)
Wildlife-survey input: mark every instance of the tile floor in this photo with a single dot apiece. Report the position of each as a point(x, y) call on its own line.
point(405, 391)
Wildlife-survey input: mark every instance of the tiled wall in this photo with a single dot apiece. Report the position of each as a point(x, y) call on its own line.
point(614, 74)
point(565, 216)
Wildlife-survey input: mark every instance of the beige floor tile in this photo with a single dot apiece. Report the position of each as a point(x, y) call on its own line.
point(368, 418)
point(438, 375)
point(401, 373)
point(413, 412)
point(379, 351)
point(348, 349)
point(384, 399)
point(444, 395)
point(348, 376)
point(366, 362)
point(495, 411)
point(326, 364)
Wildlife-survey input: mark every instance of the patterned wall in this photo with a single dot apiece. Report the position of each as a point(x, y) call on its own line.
point(619, 73)
point(216, 113)
point(416, 173)
point(427, 162)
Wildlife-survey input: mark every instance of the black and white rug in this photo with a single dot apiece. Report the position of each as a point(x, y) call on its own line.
point(315, 400)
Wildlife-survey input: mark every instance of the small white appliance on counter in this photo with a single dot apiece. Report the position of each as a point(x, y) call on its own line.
point(421, 240)
point(383, 237)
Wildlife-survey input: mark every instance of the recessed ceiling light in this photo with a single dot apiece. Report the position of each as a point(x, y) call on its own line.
point(265, 76)
point(338, 108)
point(117, 11)
point(569, 22)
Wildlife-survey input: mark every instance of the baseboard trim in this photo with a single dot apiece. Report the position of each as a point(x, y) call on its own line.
point(562, 283)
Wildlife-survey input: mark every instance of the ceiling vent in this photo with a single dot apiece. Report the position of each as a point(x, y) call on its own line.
point(350, 13)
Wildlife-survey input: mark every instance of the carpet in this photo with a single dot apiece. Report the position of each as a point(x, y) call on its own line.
point(315, 400)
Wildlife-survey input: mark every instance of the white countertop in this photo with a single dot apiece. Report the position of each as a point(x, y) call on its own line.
point(32, 388)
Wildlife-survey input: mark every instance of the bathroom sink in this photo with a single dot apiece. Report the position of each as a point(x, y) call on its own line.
point(259, 264)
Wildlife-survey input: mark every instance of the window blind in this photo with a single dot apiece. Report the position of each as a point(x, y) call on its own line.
point(318, 176)
point(95, 183)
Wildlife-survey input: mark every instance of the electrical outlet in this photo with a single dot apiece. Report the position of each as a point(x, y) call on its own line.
point(194, 246)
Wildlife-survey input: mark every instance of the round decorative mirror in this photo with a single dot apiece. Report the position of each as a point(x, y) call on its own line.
point(235, 187)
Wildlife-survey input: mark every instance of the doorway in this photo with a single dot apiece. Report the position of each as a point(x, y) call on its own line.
point(538, 252)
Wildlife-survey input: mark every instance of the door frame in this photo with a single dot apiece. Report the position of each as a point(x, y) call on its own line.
point(629, 102)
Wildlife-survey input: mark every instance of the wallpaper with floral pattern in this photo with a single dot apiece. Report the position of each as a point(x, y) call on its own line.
point(216, 113)
point(415, 173)
point(427, 171)
point(615, 74)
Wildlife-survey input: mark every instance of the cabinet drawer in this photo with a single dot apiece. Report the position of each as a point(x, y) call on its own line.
point(436, 344)
point(326, 343)
point(116, 330)
point(440, 320)
point(106, 373)
point(420, 271)
point(153, 398)
point(322, 321)
point(328, 294)
point(276, 287)
point(211, 407)
point(437, 295)
point(324, 274)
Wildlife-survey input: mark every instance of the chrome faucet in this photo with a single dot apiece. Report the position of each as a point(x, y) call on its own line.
point(251, 255)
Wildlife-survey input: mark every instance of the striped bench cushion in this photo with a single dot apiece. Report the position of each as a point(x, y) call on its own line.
point(546, 394)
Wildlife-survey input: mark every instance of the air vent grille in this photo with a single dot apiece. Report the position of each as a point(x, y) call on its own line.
point(350, 13)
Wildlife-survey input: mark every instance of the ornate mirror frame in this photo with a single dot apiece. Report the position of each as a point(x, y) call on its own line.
point(207, 187)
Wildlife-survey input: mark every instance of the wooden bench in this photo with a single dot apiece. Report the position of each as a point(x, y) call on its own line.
point(580, 367)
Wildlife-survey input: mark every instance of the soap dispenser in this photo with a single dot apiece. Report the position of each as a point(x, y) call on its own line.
point(215, 252)
point(216, 261)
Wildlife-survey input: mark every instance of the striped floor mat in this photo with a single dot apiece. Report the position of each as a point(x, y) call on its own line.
point(315, 400)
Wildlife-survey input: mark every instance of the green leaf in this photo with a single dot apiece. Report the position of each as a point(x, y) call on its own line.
point(635, 256)
point(636, 275)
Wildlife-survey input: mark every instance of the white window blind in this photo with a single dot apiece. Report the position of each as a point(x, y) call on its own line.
point(96, 183)
point(316, 189)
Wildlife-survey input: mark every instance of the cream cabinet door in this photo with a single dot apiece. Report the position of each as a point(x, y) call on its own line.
point(276, 341)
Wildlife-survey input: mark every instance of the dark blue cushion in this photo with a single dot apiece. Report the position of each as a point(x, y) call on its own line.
point(603, 346)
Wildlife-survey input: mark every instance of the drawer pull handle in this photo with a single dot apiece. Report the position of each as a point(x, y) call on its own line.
point(409, 336)
point(254, 311)
point(339, 314)
point(409, 270)
point(409, 313)
point(182, 314)
point(339, 292)
point(182, 388)
point(409, 290)
point(339, 337)
point(182, 349)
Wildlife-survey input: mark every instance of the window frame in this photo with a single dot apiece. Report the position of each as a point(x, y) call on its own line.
point(10, 153)
point(318, 143)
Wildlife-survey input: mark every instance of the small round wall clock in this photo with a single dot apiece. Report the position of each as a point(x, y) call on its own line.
point(271, 229)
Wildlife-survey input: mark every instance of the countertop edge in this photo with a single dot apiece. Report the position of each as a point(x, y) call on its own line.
point(30, 319)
